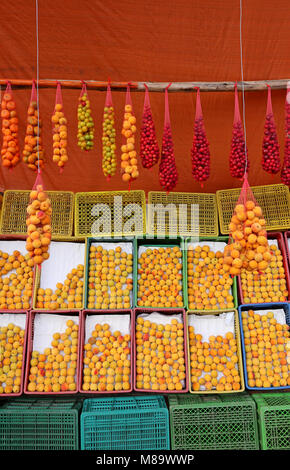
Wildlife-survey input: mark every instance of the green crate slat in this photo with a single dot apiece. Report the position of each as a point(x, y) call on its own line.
point(213, 422)
point(130, 423)
point(39, 424)
point(273, 411)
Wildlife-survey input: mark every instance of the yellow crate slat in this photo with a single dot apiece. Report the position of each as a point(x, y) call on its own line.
point(207, 213)
point(114, 209)
point(13, 214)
point(274, 200)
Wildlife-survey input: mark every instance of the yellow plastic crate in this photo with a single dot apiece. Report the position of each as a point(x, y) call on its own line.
point(115, 210)
point(13, 214)
point(274, 200)
point(239, 352)
point(37, 274)
point(200, 222)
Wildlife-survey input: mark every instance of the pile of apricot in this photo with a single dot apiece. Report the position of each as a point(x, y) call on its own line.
point(59, 138)
point(16, 287)
point(110, 282)
point(10, 152)
point(54, 369)
point(266, 343)
point(106, 363)
point(209, 284)
point(67, 295)
point(11, 358)
point(213, 363)
point(160, 277)
point(160, 357)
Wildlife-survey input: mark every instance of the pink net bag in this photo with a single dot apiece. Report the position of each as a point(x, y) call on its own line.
point(129, 162)
point(239, 163)
point(109, 161)
point(149, 149)
point(200, 153)
point(285, 173)
point(10, 152)
point(59, 130)
point(270, 148)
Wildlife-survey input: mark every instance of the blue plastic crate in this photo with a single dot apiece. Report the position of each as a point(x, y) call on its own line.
point(125, 423)
point(266, 306)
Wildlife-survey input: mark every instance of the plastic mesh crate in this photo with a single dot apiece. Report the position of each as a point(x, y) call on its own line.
point(129, 423)
point(213, 422)
point(287, 246)
point(43, 424)
point(116, 209)
point(274, 200)
point(13, 214)
point(202, 221)
point(273, 411)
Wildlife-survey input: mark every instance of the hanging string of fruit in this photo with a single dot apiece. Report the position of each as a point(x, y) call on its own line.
point(59, 129)
point(85, 121)
point(200, 153)
point(129, 162)
point(33, 153)
point(10, 152)
point(239, 152)
point(109, 162)
point(149, 148)
point(270, 149)
point(168, 175)
point(285, 172)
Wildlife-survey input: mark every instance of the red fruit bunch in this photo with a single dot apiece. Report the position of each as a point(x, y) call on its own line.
point(200, 154)
point(168, 175)
point(285, 173)
point(149, 149)
point(239, 152)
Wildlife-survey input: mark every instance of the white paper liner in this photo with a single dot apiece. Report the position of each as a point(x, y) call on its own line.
point(63, 257)
point(18, 319)
point(45, 325)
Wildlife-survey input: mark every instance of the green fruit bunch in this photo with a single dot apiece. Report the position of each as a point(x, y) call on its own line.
point(85, 124)
point(109, 162)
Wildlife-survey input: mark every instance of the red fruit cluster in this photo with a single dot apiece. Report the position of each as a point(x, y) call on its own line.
point(285, 173)
point(200, 154)
point(271, 151)
point(239, 152)
point(168, 175)
point(149, 149)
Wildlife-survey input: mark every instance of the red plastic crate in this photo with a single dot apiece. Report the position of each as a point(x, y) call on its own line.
point(84, 314)
point(168, 312)
point(281, 244)
point(286, 239)
point(30, 337)
point(24, 352)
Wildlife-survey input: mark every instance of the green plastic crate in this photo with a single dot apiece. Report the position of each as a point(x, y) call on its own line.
point(273, 411)
point(213, 422)
point(130, 423)
point(39, 424)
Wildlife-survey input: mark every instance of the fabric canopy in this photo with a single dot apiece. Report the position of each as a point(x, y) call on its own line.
point(147, 40)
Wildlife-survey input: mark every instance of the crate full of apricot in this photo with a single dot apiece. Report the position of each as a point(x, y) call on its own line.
point(265, 342)
point(13, 334)
point(215, 358)
point(159, 273)
point(160, 351)
point(53, 353)
point(106, 352)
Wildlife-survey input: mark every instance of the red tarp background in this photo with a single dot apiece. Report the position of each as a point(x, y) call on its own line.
point(147, 40)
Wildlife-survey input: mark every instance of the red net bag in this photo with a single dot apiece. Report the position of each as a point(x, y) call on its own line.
point(38, 223)
point(168, 175)
point(285, 173)
point(109, 162)
point(59, 129)
point(149, 149)
point(129, 163)
point(239, 163)
point(248, 246)
point(86, 126)
point(10, 152)
point(33, 153)
point(200, 153)
point(271, 151)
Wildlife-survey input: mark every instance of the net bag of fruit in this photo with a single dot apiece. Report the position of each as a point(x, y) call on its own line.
point(248, 246)
point(59, 130)
point(285, 173)
point(270, 148)
point(200, 153)
point(168, 175)
point(85, 121)
point(38, 223)
point(239, 163)
point(33, 153)
point(109, 162)
point(129, 162)
point(10, 152)
point(149, 149)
